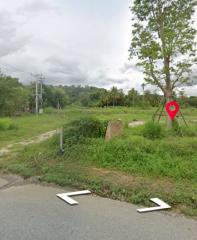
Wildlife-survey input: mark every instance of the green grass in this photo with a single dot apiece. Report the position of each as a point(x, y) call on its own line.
point(132, 167)
point(174, 185)
point(32, 125)
point(7, 124)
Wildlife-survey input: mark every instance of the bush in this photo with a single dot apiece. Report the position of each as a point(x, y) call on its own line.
point(152, 130)
point(190, 131)
point(49, 110)
point(176, 130)
point(7, 124)
point(84, 128)
point(179, 129)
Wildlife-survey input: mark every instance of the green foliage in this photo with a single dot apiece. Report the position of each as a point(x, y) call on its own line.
point(13, 96)
point(7, 124)
point(17, 99)
point(29, 126)
point(162, 32)
point(176, 129)
point(152, 130)
point(55, 96)
point(49, 110)
point(189, 131)
point(86, 127)
point(126, 168)
point(172, 158)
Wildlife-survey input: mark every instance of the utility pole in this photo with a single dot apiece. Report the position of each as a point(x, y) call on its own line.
point(39, 92)
point(143, 86)
point(62, 140)
point(41, 78)
point(41, 95)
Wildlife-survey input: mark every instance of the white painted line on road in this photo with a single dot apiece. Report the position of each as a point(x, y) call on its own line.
point(67, 196)
point(162, 205)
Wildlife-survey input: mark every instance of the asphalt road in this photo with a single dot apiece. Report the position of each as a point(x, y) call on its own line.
point(33, 212)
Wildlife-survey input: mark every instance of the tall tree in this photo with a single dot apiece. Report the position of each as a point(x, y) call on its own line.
point(13, 96)
point(132, 97)
point(116, 96)
point(163, 40)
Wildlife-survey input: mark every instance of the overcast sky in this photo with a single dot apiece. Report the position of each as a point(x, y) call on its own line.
point(79, 42)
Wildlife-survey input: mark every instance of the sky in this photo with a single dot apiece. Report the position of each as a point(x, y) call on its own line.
point(71, 42)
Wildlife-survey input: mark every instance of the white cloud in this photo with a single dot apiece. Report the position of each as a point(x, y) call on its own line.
point(11, 41)
point(36, 6)
point(70, 42)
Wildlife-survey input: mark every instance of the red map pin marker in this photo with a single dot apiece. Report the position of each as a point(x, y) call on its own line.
point(172, 108)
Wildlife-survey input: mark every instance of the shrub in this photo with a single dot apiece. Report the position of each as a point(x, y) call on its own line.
point(84, 128)
point(176, 130)
point(152, 130)
point(49, 110)
point(179, 129)
point(7, 124)
point(189, 131)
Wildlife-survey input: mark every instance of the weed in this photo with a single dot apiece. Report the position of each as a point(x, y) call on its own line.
point(152, 130)
point(131, 168)
point(7, 124)
point(86, 127)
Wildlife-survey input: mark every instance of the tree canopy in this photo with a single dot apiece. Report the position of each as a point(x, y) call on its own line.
point(163, 39)
point(17, 98)
point(13, 96)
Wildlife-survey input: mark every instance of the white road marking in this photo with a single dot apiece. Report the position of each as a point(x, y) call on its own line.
point(67, 196)
point(162, 205)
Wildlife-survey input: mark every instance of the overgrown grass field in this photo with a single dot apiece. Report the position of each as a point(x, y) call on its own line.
point(132, 167)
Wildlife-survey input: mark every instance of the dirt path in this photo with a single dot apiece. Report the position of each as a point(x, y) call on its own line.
point(44, 136)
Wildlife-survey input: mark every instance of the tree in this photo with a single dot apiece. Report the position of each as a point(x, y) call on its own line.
point(59, 97)
point(152, 99)
point(13, 96)
point(183, 97)
point(105, 99)
point(116, 97)
point(132, 97)
point(163, 41)
point(192, 101)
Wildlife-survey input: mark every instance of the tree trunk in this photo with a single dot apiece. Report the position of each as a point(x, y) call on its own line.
point(168, 98)
point(168, 93)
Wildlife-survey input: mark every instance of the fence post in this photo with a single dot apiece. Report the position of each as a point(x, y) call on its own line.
point(61, 140)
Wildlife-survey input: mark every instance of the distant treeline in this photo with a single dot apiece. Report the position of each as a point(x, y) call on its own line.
point(16, 98)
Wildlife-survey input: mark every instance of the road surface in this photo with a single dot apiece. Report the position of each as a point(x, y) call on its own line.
point(33, 212)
